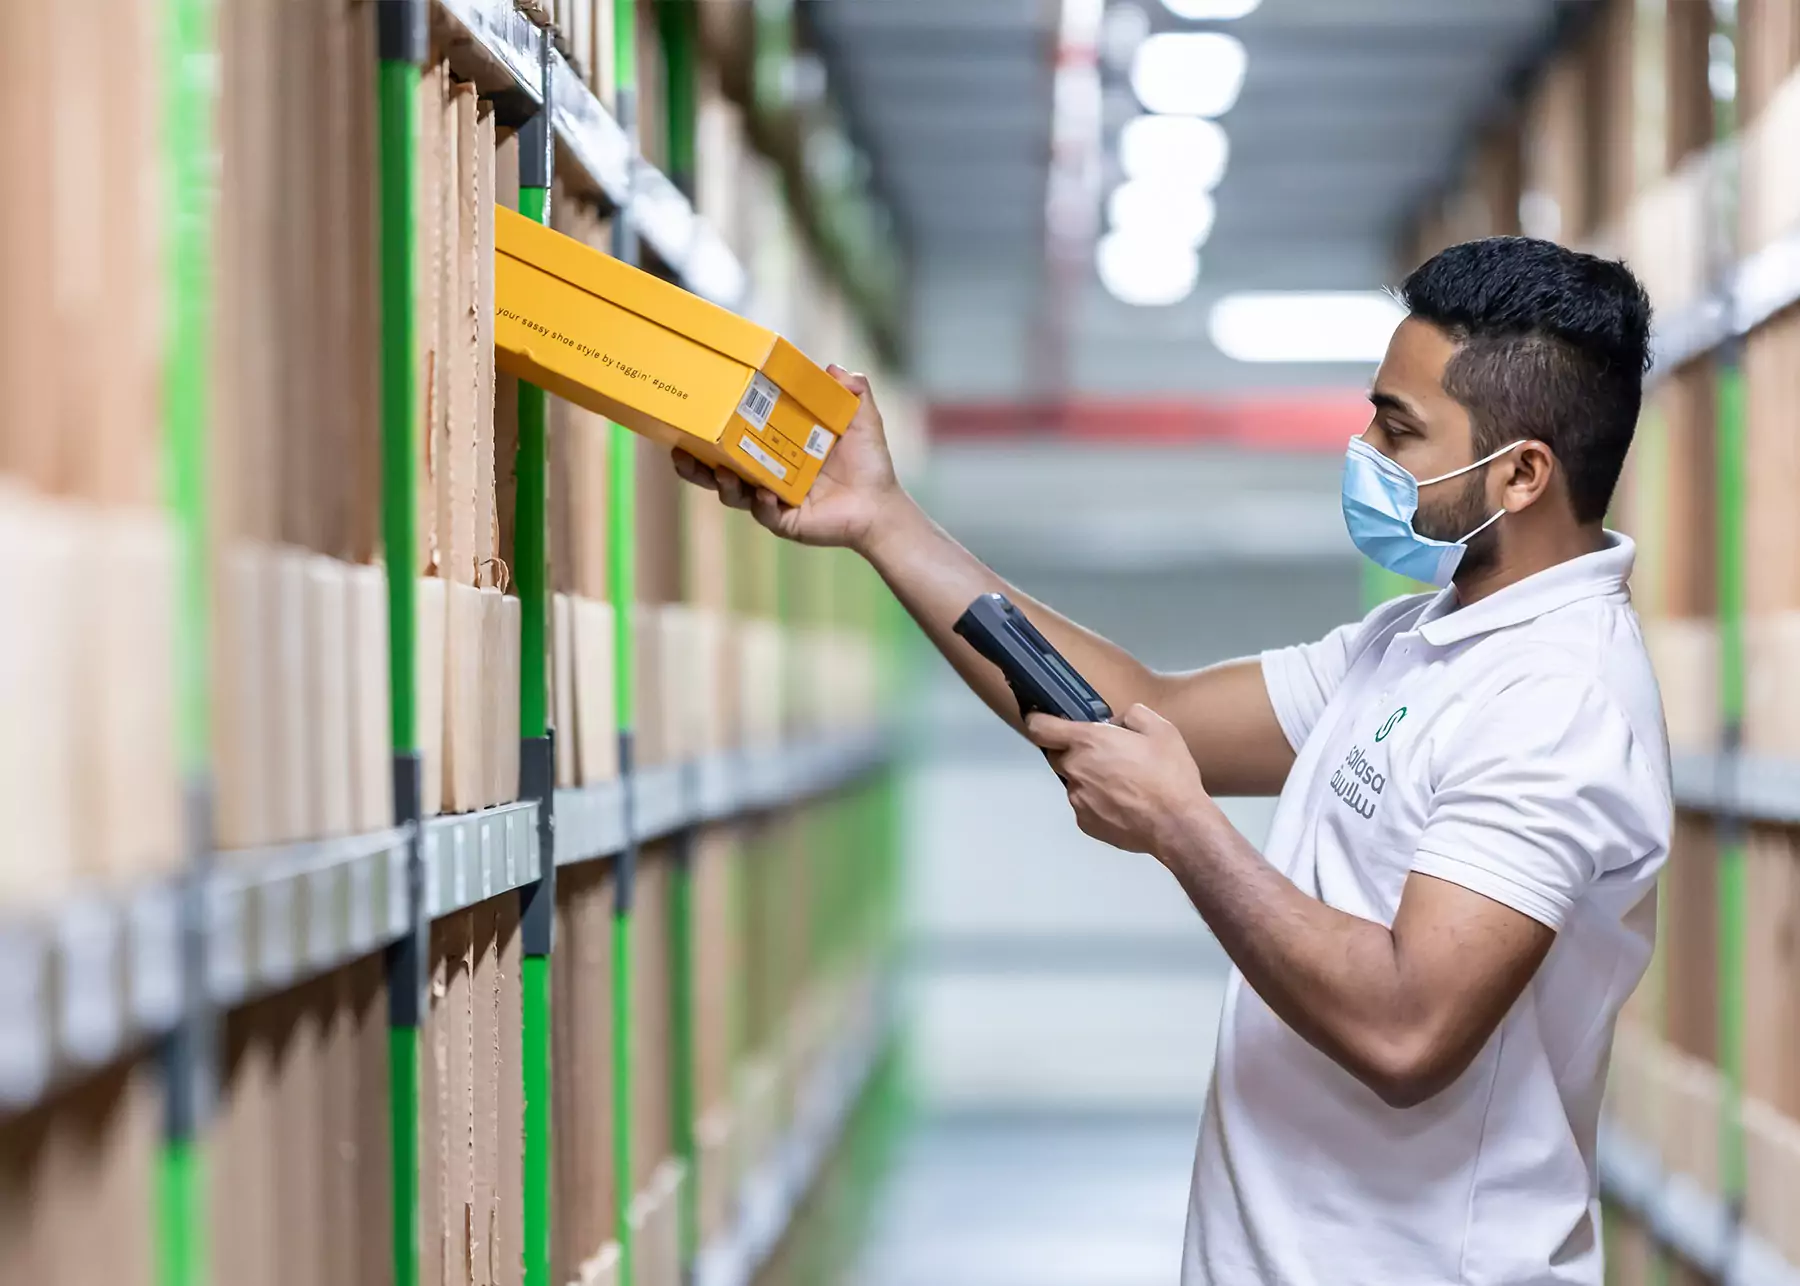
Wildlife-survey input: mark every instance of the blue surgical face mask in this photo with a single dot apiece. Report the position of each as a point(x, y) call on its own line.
point(1380, 500)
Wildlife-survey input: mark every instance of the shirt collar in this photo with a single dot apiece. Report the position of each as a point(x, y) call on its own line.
point(1596, 575)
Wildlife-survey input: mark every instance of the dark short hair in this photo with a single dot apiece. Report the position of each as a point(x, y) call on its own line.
point(1553, 345)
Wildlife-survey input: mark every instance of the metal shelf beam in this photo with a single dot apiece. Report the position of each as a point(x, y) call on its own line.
point(89, 980)
point(84, 983)
point(1756, 288)
point(476, 856)
point(278, 916)
point(1686, 1219)
point(1755, 788)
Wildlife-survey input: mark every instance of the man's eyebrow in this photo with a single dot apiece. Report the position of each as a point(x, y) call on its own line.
point(1393, 402)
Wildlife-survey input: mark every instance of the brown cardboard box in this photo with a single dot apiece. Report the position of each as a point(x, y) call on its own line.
point(486, 1079)
point(1772, 1164)
point(245, 816)
point(432, 675)
point(596, 702)
point(290, 719)
point(1685, 654)
point(509, 1239)
point(328, 696)
point(494, 681)
point(85, 1161)
point(371, 741)
point(126, 583)
point(1771, 1051)
point(37, 753)
point(562, 686)
point(582, 1069)
point(465, 773)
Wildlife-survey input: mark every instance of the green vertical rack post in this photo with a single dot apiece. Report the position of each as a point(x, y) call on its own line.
point(1729, 468)
point(403, 41)
point(188, 109)
point(622, 553)
point(537, 752)
point(677, 20)
point(1733, 871)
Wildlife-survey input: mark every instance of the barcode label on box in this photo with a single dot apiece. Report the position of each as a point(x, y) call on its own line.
point(759, 401)
point(763, 458)
point(818, 442)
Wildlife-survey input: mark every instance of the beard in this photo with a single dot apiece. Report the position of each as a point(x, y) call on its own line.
point(1457, 517)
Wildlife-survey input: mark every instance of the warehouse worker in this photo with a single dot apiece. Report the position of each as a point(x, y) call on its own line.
point(1458, 890)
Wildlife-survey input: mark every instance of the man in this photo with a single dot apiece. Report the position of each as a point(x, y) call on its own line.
point(1458, 890)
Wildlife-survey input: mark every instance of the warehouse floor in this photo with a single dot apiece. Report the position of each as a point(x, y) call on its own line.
point(1034, 1200)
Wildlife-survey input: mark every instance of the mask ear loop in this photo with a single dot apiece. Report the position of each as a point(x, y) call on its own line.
point(1486, 459)
point(1498, 515)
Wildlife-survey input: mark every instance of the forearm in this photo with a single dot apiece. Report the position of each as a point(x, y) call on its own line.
point(1336, 979)
point(936, 579)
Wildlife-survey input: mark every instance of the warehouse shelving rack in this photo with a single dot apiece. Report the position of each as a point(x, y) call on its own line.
point(98, 977)
point(1731, 788)
point(1735, 788)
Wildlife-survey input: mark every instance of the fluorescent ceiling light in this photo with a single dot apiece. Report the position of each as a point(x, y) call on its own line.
point(1298, 326)
point(1189, 73)
point(1125, 28)
point(1211, 10)
point(1187, 149)
point(1166, 210)
point(1146, 271)
point(1081, 23)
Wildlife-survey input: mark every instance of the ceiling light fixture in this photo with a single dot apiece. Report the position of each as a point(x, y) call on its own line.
point(1146, 271)
point(1125, 27)
point(1188, 149)
point(1211, 10)
point(1164, 209)
point(1305, 326)
point(1189, 73)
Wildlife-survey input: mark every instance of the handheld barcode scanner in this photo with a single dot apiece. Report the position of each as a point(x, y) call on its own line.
point(1041, 680)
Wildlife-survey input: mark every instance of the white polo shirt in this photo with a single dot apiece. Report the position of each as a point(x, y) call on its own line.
point(1515, 747)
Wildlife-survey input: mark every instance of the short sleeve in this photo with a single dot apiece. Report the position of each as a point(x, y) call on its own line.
point(1302, 680)
point(1542, 790)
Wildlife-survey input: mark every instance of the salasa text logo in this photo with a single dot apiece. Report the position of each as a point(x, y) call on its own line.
point(1357, 782)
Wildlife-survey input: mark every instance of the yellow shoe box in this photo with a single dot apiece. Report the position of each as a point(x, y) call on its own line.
point(660, 361)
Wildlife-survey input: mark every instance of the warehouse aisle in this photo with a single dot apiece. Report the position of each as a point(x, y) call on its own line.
point(1034, 1200)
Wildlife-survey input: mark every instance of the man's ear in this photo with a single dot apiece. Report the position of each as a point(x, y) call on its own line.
point(1533, 471)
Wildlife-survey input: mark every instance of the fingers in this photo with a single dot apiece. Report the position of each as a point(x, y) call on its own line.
point(733, 490)
point(768, 509)
point(1050, 733)
point(857, 384)
point(1142, 719)
point(692, 471)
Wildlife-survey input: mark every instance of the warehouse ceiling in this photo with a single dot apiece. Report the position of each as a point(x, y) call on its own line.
point(1351, 110)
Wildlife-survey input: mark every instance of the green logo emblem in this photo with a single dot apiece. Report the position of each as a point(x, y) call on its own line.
point(1393, 721)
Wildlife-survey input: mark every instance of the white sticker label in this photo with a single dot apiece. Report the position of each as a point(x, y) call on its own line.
point(759, 401)
point(763, 458)
point(818, 442)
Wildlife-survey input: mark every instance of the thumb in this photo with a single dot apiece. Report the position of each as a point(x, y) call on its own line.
point(1142, 719)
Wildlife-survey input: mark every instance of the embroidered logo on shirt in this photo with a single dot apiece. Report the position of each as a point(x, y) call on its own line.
point(1357, 782)
point(1393, 721)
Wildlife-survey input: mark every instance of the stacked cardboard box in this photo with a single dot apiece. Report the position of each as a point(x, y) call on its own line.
point(299, 1187)
point(89, 779)
point(471, 1102)
point(585, 1225)
point(76, 1188)
point(88, 770)
point(301, 683)
point(469, 625)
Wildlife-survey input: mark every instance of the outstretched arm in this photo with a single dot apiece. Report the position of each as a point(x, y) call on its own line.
point(1223, 711)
